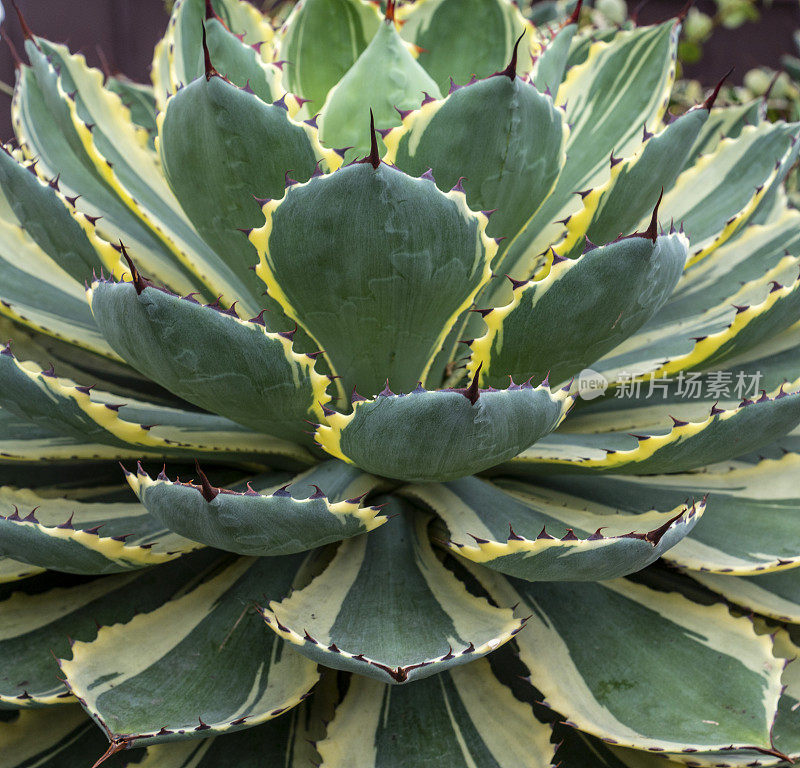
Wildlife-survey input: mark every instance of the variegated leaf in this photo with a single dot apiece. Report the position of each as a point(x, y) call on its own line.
point(463, 718)
point(72, 536)
point(442, 434)
point(507, 530)
point(204, 355)
point(605, 444)
point(215, 671)
point(38, 616)
point(376, 266)
point(598, 651)
point(582, 309)
point(263, 518)
point(606, 110)
point(385, 607)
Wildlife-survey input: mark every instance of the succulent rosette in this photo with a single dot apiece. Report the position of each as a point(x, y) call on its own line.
point(462, 380)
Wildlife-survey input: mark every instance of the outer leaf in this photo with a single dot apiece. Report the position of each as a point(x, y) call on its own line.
point(775, 594)
point(13, 570)
point(205, 355)
point(144, 686)
point(217, 189)
point(507, 531)
point(322, 39)
point(385, 607)
point(59, 406)
point(265, 519)
point(463, 718)
point(444, 434)
point(53, 738)
point(385, 78)
point(581, 310)
point(460, 39)
point(550, 65)
point(39, 619)
point(606, 112)
point(750, 521)
point(78, 537)
point(376, 266)
point(647, 640)
point(718, 195)
point(722, 435)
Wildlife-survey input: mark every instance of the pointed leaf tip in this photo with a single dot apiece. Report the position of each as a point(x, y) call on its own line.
point(390, 10)
point(575, 15)
point(709, 102)
point(209, 492)
point(473, 392)
point(26, 30)
point(511, 70)
point(209, 67)
point(374, 157)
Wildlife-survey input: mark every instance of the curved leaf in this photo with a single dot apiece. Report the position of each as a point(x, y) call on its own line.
point(376, 266)
point(442, 434)
point(507, 531)
point(598, 651)
point(43, 614)
point(265, 519)
point(463, 718)
point(385, 607)
point(581, 310)
point(205, 355)
point(216, 670)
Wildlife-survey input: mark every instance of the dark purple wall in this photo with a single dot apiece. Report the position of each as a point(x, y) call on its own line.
point(126, 31)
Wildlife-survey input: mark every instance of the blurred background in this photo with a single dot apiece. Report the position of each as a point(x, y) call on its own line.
point(757, 37)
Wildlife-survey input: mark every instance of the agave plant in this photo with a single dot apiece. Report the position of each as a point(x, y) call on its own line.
point(380, 485)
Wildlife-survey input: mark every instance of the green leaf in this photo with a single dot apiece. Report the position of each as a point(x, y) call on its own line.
point(108, 166)
point(723, 122)
point(775, 594)
point(723, 434)
point(263, 518)
point(549, 67)
point(205, 355)
point(322, 39)
point(540, 535)
point(384, 79)
point(385, 607)
point(218, 189)
point(376, 266)
point(598, 651)
point(606, 112)
point(461, 39)
point(92, 417)
point(635, 183)
point(581, 310)
point(750, 524)
point(442, 434)
point(215, 671)
point(139, 99)
point(71, 536)
point(45, 612)
point(463, 718)
point(52, 738)
point(39, 209)
point(717, 196)
point(504, 137)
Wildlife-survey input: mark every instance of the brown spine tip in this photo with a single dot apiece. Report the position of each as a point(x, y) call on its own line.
point(14, 54)
point(26, 30)
point(576, 14)
point(473, 392)
point(210, 71)
point(684, 12)
point(511, 70)
point(209, 491)
point(390, 11)
point(652, 230)
point(374, 156)
point(709, 102)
